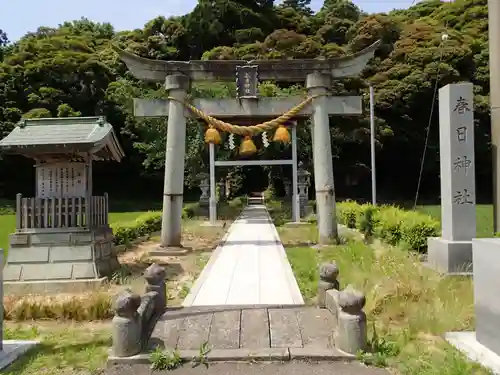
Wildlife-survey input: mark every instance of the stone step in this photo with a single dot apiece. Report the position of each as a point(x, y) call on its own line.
point(244, 334)
point(247, 329)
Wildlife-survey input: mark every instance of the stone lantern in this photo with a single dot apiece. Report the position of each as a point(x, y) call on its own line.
point(287, 185)
point(204, 187)
point(303, 181)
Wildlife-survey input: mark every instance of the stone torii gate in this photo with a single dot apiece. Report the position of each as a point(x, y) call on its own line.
point(315, 73)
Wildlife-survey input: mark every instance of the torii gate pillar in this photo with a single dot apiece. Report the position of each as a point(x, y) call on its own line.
point(319, 84)
point(177, 87)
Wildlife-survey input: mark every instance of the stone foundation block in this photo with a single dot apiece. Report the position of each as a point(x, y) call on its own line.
point(46, 257)
point(486, 257)
point(449, 256)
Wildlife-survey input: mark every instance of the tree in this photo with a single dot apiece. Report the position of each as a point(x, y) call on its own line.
point(71, 70)
point(4, 41)
point(303, 6)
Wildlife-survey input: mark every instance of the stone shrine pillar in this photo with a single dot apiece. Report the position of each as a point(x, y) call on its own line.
point(304, 180)
point(204, 187)
point(176, 87)
point(452, 252)
point(319, 84)
point(222, 190)
point(287, 185)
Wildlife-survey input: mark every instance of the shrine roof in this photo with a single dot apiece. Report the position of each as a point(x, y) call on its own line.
point(289, 70)
point(69, 135)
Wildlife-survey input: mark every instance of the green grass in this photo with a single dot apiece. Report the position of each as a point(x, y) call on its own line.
point(64, 349)
point(484, 217)
point(409, 306)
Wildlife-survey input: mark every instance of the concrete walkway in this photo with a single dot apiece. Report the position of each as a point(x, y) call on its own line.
point(249, 268)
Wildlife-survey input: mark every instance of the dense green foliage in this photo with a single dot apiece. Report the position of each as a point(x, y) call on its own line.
point(391, 224)
point(71, 71)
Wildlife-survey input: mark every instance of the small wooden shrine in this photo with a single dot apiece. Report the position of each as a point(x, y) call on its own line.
point(62, 233)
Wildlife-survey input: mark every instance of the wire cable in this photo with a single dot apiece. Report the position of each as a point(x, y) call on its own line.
point(433, 105)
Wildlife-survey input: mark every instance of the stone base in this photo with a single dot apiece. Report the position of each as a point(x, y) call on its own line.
point(296, 223)
point(162, 251)
point(52, 286)
point(203, 209)
point(60, 255)
point(305, 210)
point(13, 349)
point(450, 257)
point(466, 342)
point(218, 224)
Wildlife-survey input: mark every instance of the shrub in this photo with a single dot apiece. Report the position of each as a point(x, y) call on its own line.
point(388, 227)
point(389, 223)
point(347, 213)
point(416, 228)
point(190, 210)
point(367, 222)
point(238, 202)
point(126, 232)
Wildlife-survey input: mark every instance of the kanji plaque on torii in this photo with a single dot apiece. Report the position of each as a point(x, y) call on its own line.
point(315, 73)
point(247, 81)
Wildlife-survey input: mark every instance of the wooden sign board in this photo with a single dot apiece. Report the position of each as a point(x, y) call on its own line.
point(62, 180)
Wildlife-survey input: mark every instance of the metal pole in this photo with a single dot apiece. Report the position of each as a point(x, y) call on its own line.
point(213, 200)
point(372, 145)
point(295, 190)
point(494, 44)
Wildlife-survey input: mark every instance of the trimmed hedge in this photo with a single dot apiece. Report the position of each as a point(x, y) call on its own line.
point(127, 232)
point(391, 224)
point(150, 222)
point(147, 223)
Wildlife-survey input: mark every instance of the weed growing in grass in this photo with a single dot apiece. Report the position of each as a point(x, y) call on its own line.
point(161, 360)
point(201, 358)
point(121, 276)
point(379, 351)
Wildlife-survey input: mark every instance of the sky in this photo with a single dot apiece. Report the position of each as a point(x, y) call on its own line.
point(22, 16)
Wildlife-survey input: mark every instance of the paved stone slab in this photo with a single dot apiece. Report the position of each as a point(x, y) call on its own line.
point(168, 332)
point(249, 268)
point(194, 331)
point(284, 328)
point(225, 330)
point(316, 326)
point(254, 329)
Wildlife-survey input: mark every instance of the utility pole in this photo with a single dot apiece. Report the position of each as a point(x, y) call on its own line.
point(494, 46)
point(372, 145)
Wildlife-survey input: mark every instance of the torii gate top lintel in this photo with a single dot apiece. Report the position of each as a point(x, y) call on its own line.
point(293, 70)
